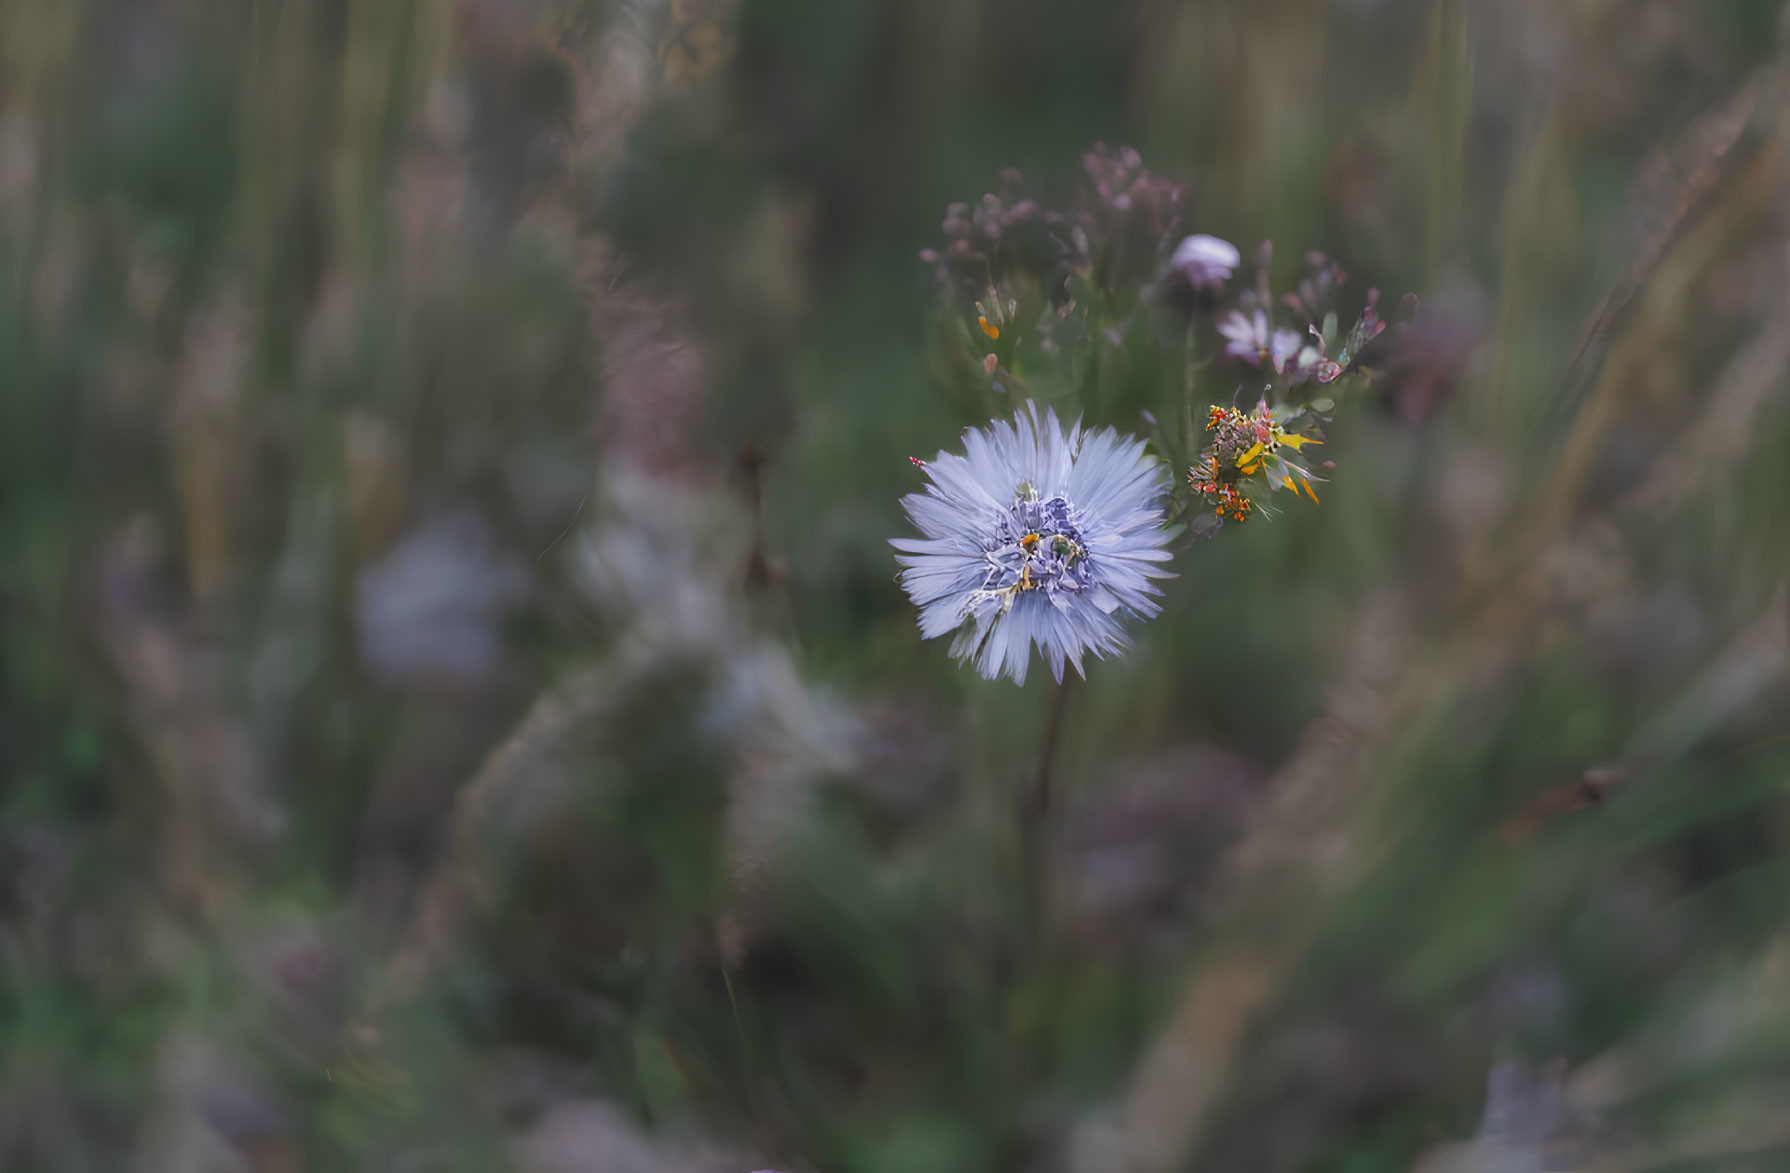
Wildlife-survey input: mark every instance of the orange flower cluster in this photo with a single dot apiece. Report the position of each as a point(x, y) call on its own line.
point(1245, 445)
point(1222, 495)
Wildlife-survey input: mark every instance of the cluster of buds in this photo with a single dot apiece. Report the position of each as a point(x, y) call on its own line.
point(1128, 214)
point(1249, 448)
point(1122, 184)
point(1003, 238)
point(1008, 254)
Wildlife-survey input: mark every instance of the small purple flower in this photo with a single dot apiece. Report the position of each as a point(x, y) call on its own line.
point(1283, 347)
point(1038, 537)
point(1253, 341)
point(1308, 358)
point(1206, 261)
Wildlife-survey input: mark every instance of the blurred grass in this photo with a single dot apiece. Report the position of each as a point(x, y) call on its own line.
point(430, 740)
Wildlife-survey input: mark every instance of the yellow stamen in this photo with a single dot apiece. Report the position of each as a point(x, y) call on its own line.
point(988, 329)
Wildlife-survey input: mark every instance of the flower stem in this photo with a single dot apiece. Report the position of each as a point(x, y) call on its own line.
point(1035, 810)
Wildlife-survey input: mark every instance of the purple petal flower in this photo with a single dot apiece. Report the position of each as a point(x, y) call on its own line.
point(1248, 336)
point(1254, 340)
point(1037, 537)
point(1206, 261)
point(1283, 346)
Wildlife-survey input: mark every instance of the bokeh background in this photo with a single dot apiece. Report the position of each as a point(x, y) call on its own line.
point(457, 712)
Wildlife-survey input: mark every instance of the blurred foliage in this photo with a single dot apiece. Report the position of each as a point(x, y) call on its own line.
point(456, 710)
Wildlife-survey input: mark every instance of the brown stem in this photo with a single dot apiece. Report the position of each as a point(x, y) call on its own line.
point(1035, 807)
point(758, 565)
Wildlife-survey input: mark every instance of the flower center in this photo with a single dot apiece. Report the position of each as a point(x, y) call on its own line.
point(1036, 546)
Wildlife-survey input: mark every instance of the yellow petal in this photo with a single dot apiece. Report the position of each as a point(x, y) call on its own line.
point(1255, 450)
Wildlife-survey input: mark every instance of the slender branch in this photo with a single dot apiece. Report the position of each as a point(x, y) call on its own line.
point(1035, 808)
point(1038, 803)
point(739, 1034)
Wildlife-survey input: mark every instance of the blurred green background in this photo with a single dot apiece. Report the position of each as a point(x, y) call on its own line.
point(457, 712)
